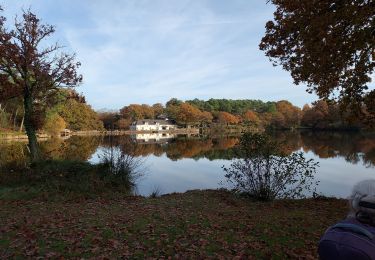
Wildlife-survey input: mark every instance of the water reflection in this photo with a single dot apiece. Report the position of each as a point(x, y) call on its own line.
point(180, 147)
point(187, 162)
point(152, 138)
point(353, 147)
point(74, 148)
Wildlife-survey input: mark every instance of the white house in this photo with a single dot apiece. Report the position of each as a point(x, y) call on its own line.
point(152, 125)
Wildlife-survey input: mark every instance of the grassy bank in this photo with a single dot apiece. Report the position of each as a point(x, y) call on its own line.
point(61, 180)
point(194, 224)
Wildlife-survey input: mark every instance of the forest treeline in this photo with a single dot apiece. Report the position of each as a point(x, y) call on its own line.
point(68, 109)
point(224, 112)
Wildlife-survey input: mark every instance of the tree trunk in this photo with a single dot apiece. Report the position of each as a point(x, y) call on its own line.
point(21, 126)
point(29, 126)
point(14, 119)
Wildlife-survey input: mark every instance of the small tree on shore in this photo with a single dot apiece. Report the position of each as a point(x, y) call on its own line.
point(32, 72)
point(265, 173)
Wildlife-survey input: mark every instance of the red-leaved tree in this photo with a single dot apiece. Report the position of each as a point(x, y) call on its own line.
point(31, 71)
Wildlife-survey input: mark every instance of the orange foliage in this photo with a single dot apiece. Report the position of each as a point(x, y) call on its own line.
point(188, 114)
point(206, 117)
point(251, 117)
point(136, 112)
point(227, 118)
point(123, 123)
point(291, 114)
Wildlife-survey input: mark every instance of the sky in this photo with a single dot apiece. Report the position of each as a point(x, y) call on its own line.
point(149, 51)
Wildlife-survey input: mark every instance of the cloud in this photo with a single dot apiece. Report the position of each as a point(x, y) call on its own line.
point(147, 51)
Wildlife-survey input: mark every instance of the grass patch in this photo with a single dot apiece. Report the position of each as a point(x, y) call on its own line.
point(196, 224)
point(61, 180)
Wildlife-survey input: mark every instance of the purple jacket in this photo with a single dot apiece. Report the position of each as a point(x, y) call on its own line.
point(348, 239)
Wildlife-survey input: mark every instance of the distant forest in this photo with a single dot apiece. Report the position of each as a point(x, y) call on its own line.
point(68, 109)
point(226, 112)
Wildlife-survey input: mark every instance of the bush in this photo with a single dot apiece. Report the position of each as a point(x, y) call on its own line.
point(119, 168)
point(265, 173)
point(156, 192)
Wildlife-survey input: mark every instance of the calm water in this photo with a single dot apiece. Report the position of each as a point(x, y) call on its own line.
point(181, 163)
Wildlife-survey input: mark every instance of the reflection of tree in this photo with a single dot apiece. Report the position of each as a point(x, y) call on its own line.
point(179, 148)
point(354, 147)
point(75, 148)
point(290, 141)
point(13, 152)
point(225, 143)
point(185, 148)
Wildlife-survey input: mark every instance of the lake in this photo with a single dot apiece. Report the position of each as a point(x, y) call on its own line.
point(181, 163)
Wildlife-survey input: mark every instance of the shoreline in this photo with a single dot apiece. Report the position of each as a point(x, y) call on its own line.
point(15, 136)
point(23, 137)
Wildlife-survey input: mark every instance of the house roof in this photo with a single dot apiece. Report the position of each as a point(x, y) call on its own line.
point(153, 122)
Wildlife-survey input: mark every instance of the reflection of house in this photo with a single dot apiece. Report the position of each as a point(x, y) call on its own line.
point(152, 125)
point(153, 138)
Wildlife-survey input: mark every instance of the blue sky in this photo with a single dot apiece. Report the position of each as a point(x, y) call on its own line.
point(148, 51)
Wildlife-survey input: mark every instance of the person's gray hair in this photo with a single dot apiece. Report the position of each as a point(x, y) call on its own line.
point(362, 191)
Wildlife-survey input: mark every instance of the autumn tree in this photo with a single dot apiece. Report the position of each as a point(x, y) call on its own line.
point(172, 108)
point(327, 45)
point(32, 71)
point(324, 115)
point(227, 118)
point(306, 107)
point(158, 109)
point(108, 118)
point(278, 121)
point(205, 118)
point(291, 114)
point(80, 116)
point(135, 112)
point(250, 117)
point(123, 123)
point(188, 115)
point(54, 124)
point(147, 111)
